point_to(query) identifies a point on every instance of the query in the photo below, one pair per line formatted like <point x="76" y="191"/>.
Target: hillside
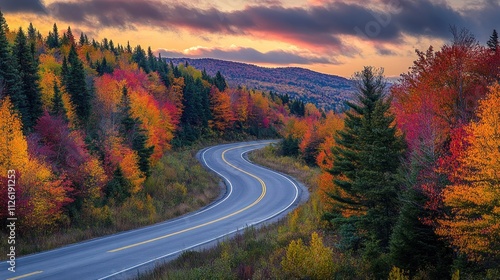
<point x="326" y="91"/>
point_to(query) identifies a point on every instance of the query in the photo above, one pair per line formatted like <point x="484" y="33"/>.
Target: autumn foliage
<point x="472" y="224"/>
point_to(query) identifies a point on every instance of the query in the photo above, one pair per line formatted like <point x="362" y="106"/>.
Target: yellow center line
<point x="25" y="275"/>
<point x="263" y="193"/>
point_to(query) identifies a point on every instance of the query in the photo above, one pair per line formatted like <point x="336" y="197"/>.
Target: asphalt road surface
<point x="254" y="195"/>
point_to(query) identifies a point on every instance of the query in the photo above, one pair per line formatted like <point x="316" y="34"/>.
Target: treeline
<point x="410" y="174"/>
<point x="85" y="123"/>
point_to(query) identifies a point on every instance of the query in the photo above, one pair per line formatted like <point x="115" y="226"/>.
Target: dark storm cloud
<point x="251" y="55"/>
<point x="22" y="6"/>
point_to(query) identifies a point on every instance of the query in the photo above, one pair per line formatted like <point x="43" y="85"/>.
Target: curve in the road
<point x="116" y="256"/>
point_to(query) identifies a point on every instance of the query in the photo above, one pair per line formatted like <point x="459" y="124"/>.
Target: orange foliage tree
<point x="473" y="225"/>
<point x="220" y="105"/>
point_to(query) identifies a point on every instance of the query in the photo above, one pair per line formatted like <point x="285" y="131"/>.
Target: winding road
<point x="254" y="195"/>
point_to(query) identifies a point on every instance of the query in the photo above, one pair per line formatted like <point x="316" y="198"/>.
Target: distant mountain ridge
<point x="326" y="91"/>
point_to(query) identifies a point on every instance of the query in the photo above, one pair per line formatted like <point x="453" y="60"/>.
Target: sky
<point x="329" y="36"/>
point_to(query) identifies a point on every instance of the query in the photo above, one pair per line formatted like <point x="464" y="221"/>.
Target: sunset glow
<point x="336" y="36"/>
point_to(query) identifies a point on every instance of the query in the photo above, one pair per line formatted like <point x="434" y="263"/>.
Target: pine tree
<point x="82" y="39"/>
<point x="57" y="102"/>
<point x="151" y="60"/>
<point x="414" y="245"/>
<point x="31" y="33"/>
<point x="366" y="162"/>
<point x="139" y="56"/>
<point x="53" y="38"/>
<point x="139" y="144"/>
<point x="131" y="131"/>
<point x="129" y="48"/>
<point x="127" y="121"/>
<point x="220" y="82"/>
<point x="118" y="188"/>
<point x="74" y="82"/>
<point x="493" y="41"/>
<point x="10" y="80"/>
<point x="65" y="71"/>
<point x="28" y="70"/>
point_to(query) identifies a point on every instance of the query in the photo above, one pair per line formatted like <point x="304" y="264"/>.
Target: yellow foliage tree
<point x="474" y="224"/>
<point x="13" y="145"/>
<point x="44" y="194"/>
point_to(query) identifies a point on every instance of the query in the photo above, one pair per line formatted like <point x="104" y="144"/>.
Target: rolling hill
<point x="326" y="91"/>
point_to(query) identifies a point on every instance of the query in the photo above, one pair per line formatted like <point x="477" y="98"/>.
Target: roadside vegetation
<point x="178" y="184"/>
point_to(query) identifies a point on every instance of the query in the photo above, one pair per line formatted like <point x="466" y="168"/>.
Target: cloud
<point x="324" y="28"/>
<point x="22" y="6"/>
<point x="381" y="50"/>
<point x="243" y="54"/>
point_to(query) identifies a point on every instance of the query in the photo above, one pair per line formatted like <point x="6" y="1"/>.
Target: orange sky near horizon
<point x="334" y="37"/>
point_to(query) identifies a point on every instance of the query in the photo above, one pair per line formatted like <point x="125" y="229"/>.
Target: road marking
<point x="263" y="193"/>
<point x="25" y="275"/>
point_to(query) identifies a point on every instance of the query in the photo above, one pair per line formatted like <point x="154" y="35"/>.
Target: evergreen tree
<point x="82" y="39"/>
<point x="112" y="47"/>
<point x="28" y="70"/>
<point x="53" y="38"/>
<point x="65" y="71"/>
<point x="103" y="67"/>
<point x="290" y="146"/>
<point x="74" y="81"/>
<point x="220" y="82"/>
<point x="10" y="80"/>
<point x="151" y="60"/>
<point x="133" y="133"/>
<point x="414" y="246"/>
<point x="127" y="121"/>
<point x="129" y="48"/>
<point x="69" y="34"/>
<point x="493" y="41"/>
<point x="31" y="33"/>
<point x="139" y="144"/>
<point x="366" y="162"/>
<point x="118" y="188"/>
<point x="105" y="43"/>
<point x="139" y="56"/>
<point x="57" y="103"/>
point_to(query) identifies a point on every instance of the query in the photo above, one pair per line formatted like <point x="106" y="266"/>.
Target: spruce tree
<point x="366" y="162"/>
<point x="151" y="60"/>
<point x="414" y="246"/>
<point x="82" y="39"/>
<point x="118" y="188"/>
<point x="57" y="102"/>
<point x="131" y="131"/>
<point x="53" y="40"/>
<point x="493" y="41"/>
<point x="28" y="70"/>
<point x="128" y="123"/>
<point x="220" y="82"/>
<point x="10" y="80"/>
<point x="75" y="84"/>
<point x="31" y="33"/>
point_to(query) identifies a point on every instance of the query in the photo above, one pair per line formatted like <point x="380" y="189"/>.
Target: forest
<point x="406" y="184"/>
<point x="99" y="134"/>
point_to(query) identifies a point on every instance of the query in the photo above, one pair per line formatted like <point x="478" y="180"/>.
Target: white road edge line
<point x="223" y="235"/>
